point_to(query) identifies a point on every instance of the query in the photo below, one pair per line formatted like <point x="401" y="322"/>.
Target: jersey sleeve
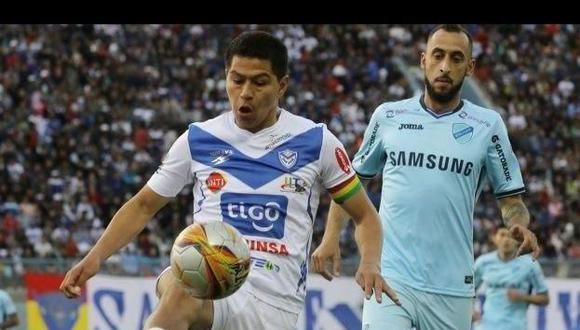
<point x="478" y="272"/>
<point x="370" y="158"/>
<point x="175" y="170"/>
<point x="503" y="169"/>
<point x="337" y="174"/>
<point x="538" y="280"/>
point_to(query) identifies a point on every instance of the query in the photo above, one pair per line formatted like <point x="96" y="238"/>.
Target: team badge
<point x="462" y="133"/>
<point x="288" y="158"/>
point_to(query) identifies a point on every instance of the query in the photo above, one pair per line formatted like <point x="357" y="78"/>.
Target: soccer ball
<point x="212" y="260"/>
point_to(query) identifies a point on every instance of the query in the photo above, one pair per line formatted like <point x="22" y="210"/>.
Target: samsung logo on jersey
<point x="411" y="126"/>
<point x="430" y="161"/>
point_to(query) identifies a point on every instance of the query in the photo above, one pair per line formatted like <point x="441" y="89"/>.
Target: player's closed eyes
<point x="259" y="83"/>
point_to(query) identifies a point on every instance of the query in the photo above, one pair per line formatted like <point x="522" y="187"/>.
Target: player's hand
<point x="514" y="295"/>
<point x="527" y="239"/>
<point x="369" y="277"/>
<point x="326" y="253"/>
<point x="476" y="316"/>
<point x="76" y="277"/>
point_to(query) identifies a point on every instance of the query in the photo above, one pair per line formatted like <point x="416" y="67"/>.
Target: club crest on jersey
<point x="288" y="158"/>
<point x="215" y="182"/>
<point x="221" y="156"/>
<point x="342" y="160"/>
<point x="462" y="133"/>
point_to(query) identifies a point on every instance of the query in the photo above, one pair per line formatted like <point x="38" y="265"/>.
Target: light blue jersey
<point x="7" y="306"/>
<point x="434" y="168"/>
<point x="521" y="273"/>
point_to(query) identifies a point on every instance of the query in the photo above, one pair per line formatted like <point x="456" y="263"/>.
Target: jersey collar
<point x="433" y="113"/>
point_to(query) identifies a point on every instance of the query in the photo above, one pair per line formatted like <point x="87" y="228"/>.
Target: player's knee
<point x="182" y="305"/>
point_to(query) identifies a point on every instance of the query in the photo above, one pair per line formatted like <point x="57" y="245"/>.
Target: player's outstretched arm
<point x="329" y="248"/>
<point x="517" y="218"/>
<point x="541" y="299"/>
<point x="369" y="239"/>
<point x="129" y="220"/>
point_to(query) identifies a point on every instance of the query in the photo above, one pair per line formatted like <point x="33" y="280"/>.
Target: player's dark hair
<point x="261" y="45"/>
<point x="453" y="28"/>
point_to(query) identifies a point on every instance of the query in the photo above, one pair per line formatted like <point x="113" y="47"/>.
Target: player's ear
<point x="470" y="67"/>
<point x="283" y="85"/>
<point x="423" y="60"/>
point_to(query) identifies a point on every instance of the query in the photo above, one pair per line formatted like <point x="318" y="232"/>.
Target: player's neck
<point x="505" y="256"/>
<point x="269" y="121"/>
<point x="439" y="107"/>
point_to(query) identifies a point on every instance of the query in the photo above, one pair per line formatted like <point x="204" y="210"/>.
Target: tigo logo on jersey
<point x="215" y="182"/>
<point x="293" y="184"/>
<point x="342" y="160"/>
<point x="288" y="158"/>
<point x="462" y="133"/>
<point x="254" y="214"/>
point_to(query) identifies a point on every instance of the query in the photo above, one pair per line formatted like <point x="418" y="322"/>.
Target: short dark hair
<point x="453" y="28"/>
<point x="262" y="45"/>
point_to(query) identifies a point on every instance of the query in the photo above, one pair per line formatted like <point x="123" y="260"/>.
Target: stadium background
<point x="87" y="112"/>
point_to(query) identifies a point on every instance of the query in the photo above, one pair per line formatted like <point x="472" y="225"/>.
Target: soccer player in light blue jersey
<point x="511" y="284"/>
<point x="435" y="152"/>
<point x="8" y="314"/>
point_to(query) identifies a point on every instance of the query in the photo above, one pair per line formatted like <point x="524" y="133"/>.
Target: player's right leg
<point x="177" y="309"/>
<point x="388" y="315"/>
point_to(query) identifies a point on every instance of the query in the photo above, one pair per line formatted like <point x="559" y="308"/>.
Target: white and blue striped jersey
<point x="266" y="184"/>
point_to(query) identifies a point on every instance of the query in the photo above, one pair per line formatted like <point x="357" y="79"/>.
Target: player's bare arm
<point x="517" y="218"/>
<point x="540" y="299"/>
<point x="368" y="236"/>
<point x="125" y="225"/>
<point x="329" y="248"/>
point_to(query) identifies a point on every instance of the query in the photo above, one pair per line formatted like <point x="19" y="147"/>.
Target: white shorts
<point x="244" y="311"/>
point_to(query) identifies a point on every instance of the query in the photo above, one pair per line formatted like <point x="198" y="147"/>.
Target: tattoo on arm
<point x="516" y="213"/>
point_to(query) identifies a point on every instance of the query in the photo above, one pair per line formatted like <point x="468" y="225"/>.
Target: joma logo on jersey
<point x="255" y="215"/>
<point x="411" y="126"/>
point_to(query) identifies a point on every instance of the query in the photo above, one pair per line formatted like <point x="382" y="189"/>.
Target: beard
<point x="443" y="97"/>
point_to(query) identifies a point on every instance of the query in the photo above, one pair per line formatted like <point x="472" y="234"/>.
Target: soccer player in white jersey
<point x="261" y="169"/>
<point x="435" y="152"/>
<point x="510" y="283"/>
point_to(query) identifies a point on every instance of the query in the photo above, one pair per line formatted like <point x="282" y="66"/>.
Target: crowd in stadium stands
<point x="87" y="113"/>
